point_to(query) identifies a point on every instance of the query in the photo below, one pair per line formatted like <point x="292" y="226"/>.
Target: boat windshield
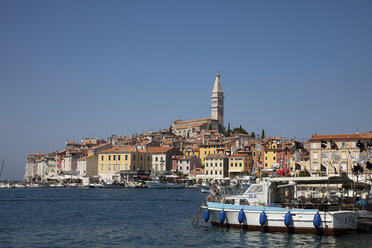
<point x="254" y="189"/>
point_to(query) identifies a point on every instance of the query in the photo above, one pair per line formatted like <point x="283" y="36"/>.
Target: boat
<point x="204" y="187"/>
<point x="113" y="185"/>
<point x="271" y="206"/>
<point x="160" y="185"/>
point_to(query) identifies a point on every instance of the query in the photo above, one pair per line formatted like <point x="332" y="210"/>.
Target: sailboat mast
<point x="2" y="166"/>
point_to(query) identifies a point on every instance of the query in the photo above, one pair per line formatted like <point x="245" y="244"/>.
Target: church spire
<point x="217" y="83"/>
<point x="217" y="99"/>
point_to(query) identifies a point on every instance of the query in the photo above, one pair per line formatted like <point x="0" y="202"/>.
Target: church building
<point x="215" y="122"/>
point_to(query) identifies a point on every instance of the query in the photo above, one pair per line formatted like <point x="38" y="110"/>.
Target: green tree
<point x="170" y="128"/>
<point x="228" y="132"/>
<point x="240" y="130"/>
<point x="263" y="134"/>
<point x="253" y="136"/>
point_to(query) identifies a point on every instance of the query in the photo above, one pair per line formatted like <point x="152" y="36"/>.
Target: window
<point x="118" y="157"/>
<point x="109" y="157"/>
<point x="343" y="155"/>
<point x="114" y="167"/>
<point x="156" y="159"/>
<point x="265" y="152"/>
<point x="206" y="164"/>
<point x="240" y="164"/>
<point x="180" y="167"/>
<point x="236" y="164"/>
<point x="315" y="145"/>
<point x="118" y="167"/>
<point x="148" y="158"/>
<point x="216" y="165"/>
<point x="232" y="164"/>
<point x="114" y="157"/>
<point x="220" y="172"/>
<point x="273" y="146"/>
<point x="274" y="152"/>
<point x="206" y="172"/>
<point x="102" y="158"/>
<point x="343" y="144"/>
<point x="274" y="158"/>
<point x="215" y="172"/>
<point x="353" y="144"/>
<point x="265" y="158"/>
<point x="254" y="154"/>
<point x="343" y="166"/>
<point x="102" y="167"/>
<point x="126" y="157"/>
<point x="134" y="157"/>
<point x="315" y="155"/>
<point x="109" y="167"/>
<point x="205" y="152"/>
<point x="187" y="168"/>
<point x="315" y="166"/>
<point x="265" y="164"/>
<point x="255" y="189"/>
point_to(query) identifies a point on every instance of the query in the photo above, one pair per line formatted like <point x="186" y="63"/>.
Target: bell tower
<point x="217" y="102"/>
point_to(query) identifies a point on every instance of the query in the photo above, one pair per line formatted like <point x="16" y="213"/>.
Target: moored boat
<point x="160" y="185"/>
<point x="271" y="206"/>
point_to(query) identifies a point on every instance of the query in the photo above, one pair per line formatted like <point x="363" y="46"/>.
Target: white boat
<point x="160" y="185"/>
<point x="204" y="187"/>
<point x="255" y="209"/>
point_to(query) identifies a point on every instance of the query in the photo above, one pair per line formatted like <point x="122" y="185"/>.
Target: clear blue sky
<point x="70" y="69"/>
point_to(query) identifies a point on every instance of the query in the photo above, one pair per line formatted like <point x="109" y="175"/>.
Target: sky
<point x="74" y="69"/>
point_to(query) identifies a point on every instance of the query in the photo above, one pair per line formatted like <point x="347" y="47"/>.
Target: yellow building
<point x="122" y="158"/>
<point x="269" y="155"/>
<point x="205" y="150"/>
<point x="240" y="164"/>
<point x="194" y="151"/>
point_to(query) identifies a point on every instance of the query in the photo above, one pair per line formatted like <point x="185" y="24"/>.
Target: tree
<point x="228" y="132"/>
<point x="170" y="128"/>
<point x="240" y="130"/>
<point x="210" y="127"/>
<point x="263" y="134"/>
<point x="253" y="136"/>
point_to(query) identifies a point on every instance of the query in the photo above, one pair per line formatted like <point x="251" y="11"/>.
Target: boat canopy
<point x="313" y="180"/>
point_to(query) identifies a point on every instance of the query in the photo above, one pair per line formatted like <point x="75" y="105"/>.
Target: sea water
<point x="83" y="217"/>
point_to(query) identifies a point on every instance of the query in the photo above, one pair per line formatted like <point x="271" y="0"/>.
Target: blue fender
<point x="288" y="219"/>
<point x="206" y="215"/>
<point x="263" y="218"/>
<point x="317" y="220"/>
<point x="222" y="216"/>
<point x="241" y="216"/>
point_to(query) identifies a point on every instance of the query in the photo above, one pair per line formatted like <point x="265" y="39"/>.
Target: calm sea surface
<point x="130" y="218"/>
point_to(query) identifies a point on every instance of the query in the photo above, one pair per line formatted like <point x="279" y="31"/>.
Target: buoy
<point x="222" y="216"/>
<point x="206" y="215"/>
<point x="288" y="219"/>
<point x="241" y="216"/>
<point x="263" y="218"/>
<point x="317" y="220"/>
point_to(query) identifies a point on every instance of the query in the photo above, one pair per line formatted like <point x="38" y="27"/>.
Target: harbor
<point x="86" y="217"/>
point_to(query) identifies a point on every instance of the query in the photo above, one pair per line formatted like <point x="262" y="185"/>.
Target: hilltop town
<point x="203" y="149"/>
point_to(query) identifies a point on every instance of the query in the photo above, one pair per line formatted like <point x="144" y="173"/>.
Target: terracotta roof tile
<point x="341" y="136"/>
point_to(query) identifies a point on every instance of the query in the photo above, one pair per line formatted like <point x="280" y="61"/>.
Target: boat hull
<point x="157" y="185"/>
<point x="332" y="223"/>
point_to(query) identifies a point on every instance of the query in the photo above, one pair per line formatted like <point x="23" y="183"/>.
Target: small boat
<point x="160" y="185"/>
<point x="270" y="206"/>
<point x="204" y="187"/>
<point x="113" y="186"/>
